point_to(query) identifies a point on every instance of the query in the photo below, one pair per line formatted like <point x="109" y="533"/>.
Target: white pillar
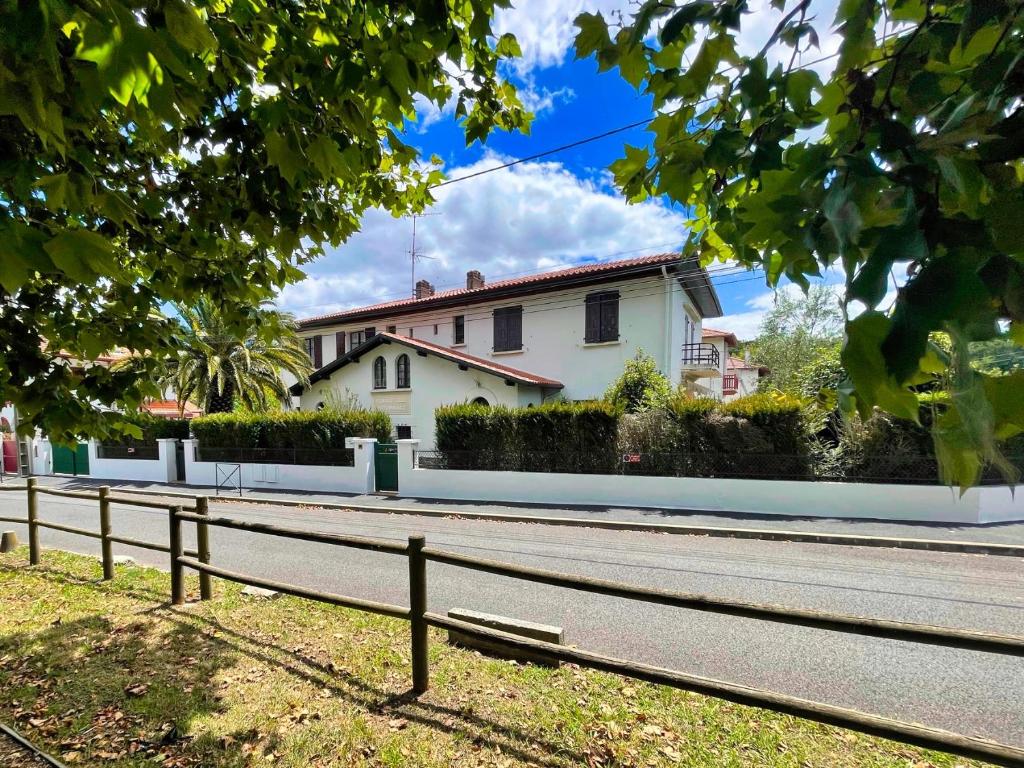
<point x="406" y="463"/>
<point x="167" y="455"/>
<point x="94" y="453"/>
<point x="365" y="453"/>
<point x="193" y="474"/>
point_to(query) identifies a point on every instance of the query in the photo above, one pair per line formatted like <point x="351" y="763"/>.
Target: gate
<point x="70" y="461"/>
<point x="179" y="461"/>
<point x="385" y="465"/>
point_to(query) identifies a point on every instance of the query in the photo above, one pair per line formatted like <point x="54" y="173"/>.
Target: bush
<point x="309" y="430"/>
<point x="641" y="387"/>
<point x="153" y="429"/>
<point x="556" y="437"/>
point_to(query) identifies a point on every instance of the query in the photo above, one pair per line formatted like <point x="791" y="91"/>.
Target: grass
<point x="107" y="674"/>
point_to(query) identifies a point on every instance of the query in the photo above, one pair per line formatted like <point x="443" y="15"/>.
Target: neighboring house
<point x="522" y="341"/>
<point x="736" y="377"/>
<point x="171" y="409"/>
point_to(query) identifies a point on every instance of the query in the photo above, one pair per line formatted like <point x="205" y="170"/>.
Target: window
<point x="459" y="333"/>
<point x="392" y="328"/>
<point x="339" y="343"/>
<point x="370" y="332"/>
<point x="480" y="401"/>
<point x="508" y="329"/>
<point x="380" y="373"/>
<point x="314" y="346"/>
<point x="404" y="432"/>
<point x="602" y="322"/>
<point x="356" y="338"/>
<point x="402" y="380"/>
<point x="435" y="329"/>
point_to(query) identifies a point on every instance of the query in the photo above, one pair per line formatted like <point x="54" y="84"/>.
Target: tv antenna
<point x="415" y="255"/>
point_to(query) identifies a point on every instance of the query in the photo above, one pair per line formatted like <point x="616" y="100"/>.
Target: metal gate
<point x="179" y="461"/>
<point x="71" y="461"/>
<point x="385" y="464"/>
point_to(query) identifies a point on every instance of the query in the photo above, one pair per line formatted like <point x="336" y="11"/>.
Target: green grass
<point x="107" y="674"/>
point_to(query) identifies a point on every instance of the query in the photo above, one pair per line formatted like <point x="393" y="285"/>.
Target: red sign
<point x="631" y="458"/>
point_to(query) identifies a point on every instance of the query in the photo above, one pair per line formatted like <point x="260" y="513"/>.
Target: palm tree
<point x="217" y="363"/>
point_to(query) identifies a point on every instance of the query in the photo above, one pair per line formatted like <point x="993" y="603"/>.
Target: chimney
<point x="424" y="289"/>
<point x="474" y="279"/>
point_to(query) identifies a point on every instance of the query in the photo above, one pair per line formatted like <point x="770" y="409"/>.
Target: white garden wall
<point x="764" y="497"/>
<point x="292" y="477"/>
<point x="162" y="469"/>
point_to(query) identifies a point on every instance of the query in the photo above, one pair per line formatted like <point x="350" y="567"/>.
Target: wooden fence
<point x="418" y="555"/>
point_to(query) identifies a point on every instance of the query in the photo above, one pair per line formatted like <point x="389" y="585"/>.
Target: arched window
<point x="380" y="374"/>
<point x="480" y="401"/>
<point x="402" y="380"/>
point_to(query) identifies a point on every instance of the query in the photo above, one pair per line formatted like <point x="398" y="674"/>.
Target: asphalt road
<point x="964" y="691"/>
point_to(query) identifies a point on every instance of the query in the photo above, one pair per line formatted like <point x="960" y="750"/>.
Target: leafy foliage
<point x="217" y="365"/>
<point x="641" y="387"/>
<point x="189" y="149"/>
<point x="307" y="430"/>
<point x="908" y="156"/>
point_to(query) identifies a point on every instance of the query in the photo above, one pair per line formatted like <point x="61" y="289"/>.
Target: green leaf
<point x="81" y="254"/>
<point x="683" y="18"/>
<point x="187" y="28"/>
<point x="281" y="154"/>
<point x="508" y="46"/>
<point x="593" y="36"/>
<point x="864" y="362"/>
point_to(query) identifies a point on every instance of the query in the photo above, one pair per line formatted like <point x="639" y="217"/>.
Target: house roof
<point x="714" y="333"/>
<point x="739" y="364"/>
<point x="425" y="348"/>
<point x="170" y="408"/>
<point x="695" y="281"/>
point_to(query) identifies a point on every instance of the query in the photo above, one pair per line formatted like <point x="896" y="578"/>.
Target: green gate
<point x="385" y="464"/>
<point x="71" y="461"/>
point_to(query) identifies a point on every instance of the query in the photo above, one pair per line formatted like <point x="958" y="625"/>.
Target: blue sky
<point x="560" y="210"/>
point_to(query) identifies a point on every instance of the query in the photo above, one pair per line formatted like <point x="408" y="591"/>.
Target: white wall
<point x="553" y="333"/>
<point x="162" y="469"/>
<point x="357" y="479"/>
<point x="766" y="497"/>
<point x="434" y="382"/>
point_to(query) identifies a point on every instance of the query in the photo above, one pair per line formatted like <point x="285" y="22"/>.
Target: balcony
<point x="701" y="361"/>
<point x="730" y="384"/>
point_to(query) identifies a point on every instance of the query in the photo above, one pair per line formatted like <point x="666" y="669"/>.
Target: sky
<point x="539" y="215"/>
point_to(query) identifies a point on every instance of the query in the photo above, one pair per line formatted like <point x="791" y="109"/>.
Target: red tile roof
<point x="738" y="363"/>
<point x="524" y="377"/>
<point x="170" y="408"/>
<point x="714" y="333"/>
<point x="606" y="267"/>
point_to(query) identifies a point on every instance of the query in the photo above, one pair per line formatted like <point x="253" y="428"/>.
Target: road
<point x="970" y="692"/>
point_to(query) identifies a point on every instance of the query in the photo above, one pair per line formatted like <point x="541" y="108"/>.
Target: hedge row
<point x="289" y="429"/>
<point x="153" y="428"/>
<point x="557" y="437"/>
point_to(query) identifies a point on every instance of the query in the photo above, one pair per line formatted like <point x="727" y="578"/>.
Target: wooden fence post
<point x="177" y="552"/>
<point x="105" y="543"/>
<point x="33" y="515"/>
<point x="203" y="547"/>
<point x="417" y="609"/>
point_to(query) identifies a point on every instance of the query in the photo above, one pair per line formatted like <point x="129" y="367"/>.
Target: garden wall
<point x="296" y="477"/>
<point x="758" y="497"/>
<point x="162" y="469"/>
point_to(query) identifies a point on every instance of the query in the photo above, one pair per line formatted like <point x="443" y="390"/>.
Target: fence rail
<point x="141" y="451"/>
<point x="324" y="457"/>
<point x="418" y="555"/>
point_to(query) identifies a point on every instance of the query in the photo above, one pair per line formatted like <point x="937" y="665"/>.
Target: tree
<point x="176" y="150"/>
<point x="908" y="156"/>
<point x="641" y="387"/>
<point x="216" y="366"/>
<point x="796" y="331"/>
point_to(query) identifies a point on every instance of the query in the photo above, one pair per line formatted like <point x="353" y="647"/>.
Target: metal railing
<point x="730" y="383"/>
<point x="702" y="355"/>
<point x="324" y="457"/>
<point x="143" y="451"/>
<point x="418" y="555"/>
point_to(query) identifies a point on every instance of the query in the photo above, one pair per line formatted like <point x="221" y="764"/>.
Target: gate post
<point x="177" y="552"/>
<point x="33" y="527"/>
<point x="417" y="609"/>
<point x="105" y="543"/>
<point x="203" y="546"/>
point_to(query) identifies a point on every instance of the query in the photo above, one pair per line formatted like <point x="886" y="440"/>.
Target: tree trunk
<point x="221" y="402"/>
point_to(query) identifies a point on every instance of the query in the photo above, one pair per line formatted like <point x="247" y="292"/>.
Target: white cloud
<point x="529" y="218"/>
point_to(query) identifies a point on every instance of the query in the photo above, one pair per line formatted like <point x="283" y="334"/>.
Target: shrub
<point x="641" y="387"/>
<point x="290" y="429"/>
<point x="778" y="417"/>
<point x="546" y="438"/>
<point x="153" y="429"/>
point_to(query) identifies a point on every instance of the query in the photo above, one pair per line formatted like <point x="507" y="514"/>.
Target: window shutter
<point x="370" y="332"/>
<point x="516" y="330"/>
<point x="592" y="327"/>
<point x="500" y="334"/>
<point x="460" y="329"/>
<point x="318" y="352"/>
<point x="610" y="316"/>
<point x="339" y="343"/>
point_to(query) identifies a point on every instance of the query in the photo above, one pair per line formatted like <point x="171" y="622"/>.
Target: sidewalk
<point x="996" y="533"/>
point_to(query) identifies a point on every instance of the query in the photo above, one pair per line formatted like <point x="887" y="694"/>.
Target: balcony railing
<point x="701" y="356"/>
<point x="730" y="383"/>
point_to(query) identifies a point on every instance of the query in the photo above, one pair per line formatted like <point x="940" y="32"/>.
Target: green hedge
<point x="556" y="437"/>
<point x="289" y="429"/>
<point x="153" y="428"/>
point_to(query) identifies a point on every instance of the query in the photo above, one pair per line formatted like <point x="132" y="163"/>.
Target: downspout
<point x="667" y="370"/>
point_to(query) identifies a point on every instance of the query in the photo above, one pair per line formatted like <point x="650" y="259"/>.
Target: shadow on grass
<point x="93" y="668"/>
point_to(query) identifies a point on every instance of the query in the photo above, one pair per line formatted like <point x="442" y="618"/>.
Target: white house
<point x="736" y="376"/>
<point x="521" y="341"/>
